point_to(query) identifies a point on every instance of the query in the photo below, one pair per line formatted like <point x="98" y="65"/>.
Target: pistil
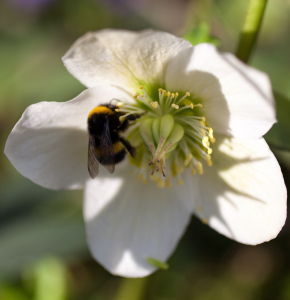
<point x="173" y="130"/>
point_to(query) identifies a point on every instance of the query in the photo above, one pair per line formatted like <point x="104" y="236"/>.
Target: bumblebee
<point x="106" y="146"/>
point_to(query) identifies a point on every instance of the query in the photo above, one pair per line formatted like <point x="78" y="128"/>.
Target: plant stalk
<point x="250" y="29"/>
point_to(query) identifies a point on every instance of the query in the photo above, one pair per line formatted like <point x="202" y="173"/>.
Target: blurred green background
<point x="43" y="252"/>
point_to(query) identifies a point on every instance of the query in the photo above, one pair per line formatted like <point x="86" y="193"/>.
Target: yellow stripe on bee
<point x="101" y="110"/>
<point x="118" y="147"/>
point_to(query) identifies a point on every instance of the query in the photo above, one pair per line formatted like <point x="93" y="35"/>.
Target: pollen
<point x="136" y="95"/>
<point x="141" y="87"/>
<point x="117" y="110"/>
<point x="120" y="104"/>
<point x="187" y="94"/>
<point x="199" y="167"/>
<point x="209" y="151"/>
<point x="208" y="160"/>
<point x="160" y="183"/>
<point x="154" y="104"/>
<point x="175" y="106"/>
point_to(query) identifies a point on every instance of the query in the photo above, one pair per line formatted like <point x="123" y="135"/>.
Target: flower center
<point x="172" y="135"/>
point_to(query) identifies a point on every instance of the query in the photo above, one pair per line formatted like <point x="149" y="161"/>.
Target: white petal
<point x="122" y="58"/>
<point x="237" y="99"/>
<point x="128" y="222"/>
<point x="243" y="194"/>
<point x="49" y="144"/>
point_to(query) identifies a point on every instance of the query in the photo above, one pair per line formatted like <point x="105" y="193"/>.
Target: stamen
<point x="173" y="130"/>
<point x="175" y="106"/>
<point x="199" y="167"/>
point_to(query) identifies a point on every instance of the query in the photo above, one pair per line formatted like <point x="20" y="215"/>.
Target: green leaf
<point x="278" y="136"/>
<point x="201" y="34"/>
<point x="158" y="264"/>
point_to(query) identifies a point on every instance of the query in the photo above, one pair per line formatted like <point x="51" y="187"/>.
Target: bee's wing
<point x="93" y="158"/>
<point x="107" y="157"/>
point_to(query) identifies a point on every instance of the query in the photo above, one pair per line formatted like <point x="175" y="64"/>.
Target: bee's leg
<point x="124" y="125"/>
<point x="128" y="146"/>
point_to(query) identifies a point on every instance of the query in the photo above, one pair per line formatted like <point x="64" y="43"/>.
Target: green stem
<point x="132" y="288"/>
<point x="250" y="29"/>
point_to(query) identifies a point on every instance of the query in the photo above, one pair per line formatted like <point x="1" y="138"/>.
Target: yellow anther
<point x="160" y="90"/>
<point x="144" y="181"/>
<point x="142" y="95"/>
<point x="187" y="94"/>
<point x="202" y="131"/>
<point x="210" y="131"/>
<point x="203" y="119"/>
<point x="199" y="167"/>
<point x="193" y="171"/>
<point x="198" y="209"/>
<point x="212" y="139"/>
<point x="191" y="105"/>
<point x="204" y="221"/>
<point x="168" y="93"/>
<point x="176" y="94"/>
<point x="208" y="160"/>
<point x="164" y="91"/>
<point x="141" y="87"/>
<point x="154" y="104"/>
<point x="136" y="95"/>
<point x="205" y="141"/>
<point x="168" y="184"/>
<point x="179" y="169"/>
<point x="199" y="105"/>
<point x="174" y="106"/>
<point x="187" y="159"/>
<point x="160" y="183"/>
<point x="120" y="104"/>
<point x="180" y="182"/>
<point x="209" y="151"/>
<point x="122" y="118"/>
<point x="201" y="123"/>
<point x="117" y="110"/>
<point x="173" y="95"/>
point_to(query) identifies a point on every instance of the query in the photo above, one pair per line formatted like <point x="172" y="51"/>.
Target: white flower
<point x="241" y="192"/>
